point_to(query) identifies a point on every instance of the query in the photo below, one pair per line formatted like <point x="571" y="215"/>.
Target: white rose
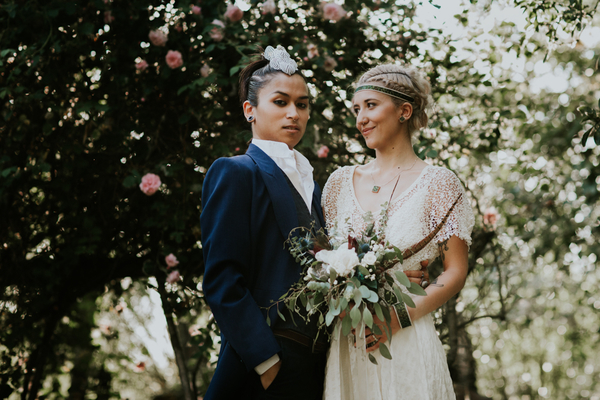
<point x="369" y="258"/>
<point x="342" y="260"/>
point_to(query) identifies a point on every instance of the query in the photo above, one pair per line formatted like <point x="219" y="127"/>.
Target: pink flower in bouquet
<point x="329" y="64"/>
<point x="491" y="217"/>
<point x="205" y="70"/>
<point x="233" y="13"/>
<point x="150" y="184"/>
<point x="323" y="152"/>
<point x="216" y="33"/>
<point x="269" y="7"/>
<point x="108" y="18"/>
<point x="333" y="12"/>
<point x="157" y="38"/>
<point x="171" y="260"/>
<point x="173" y="277"/>
<point x="141" y="66"/>
<point x="174" y="59"/>
<point x="196" y="10"/>
<point x="312" y="51"/>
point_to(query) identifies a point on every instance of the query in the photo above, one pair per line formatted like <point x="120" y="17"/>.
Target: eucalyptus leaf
<point x="408" y="300"/>
<point x="385" y="352"/>
<point x="386" y="314"/>
<point x="363" y="270"/>
<point x="372" y="358"/>
<point x="357" y="298"/>
<point x="368" y="317"/>
<point x="329" y="317"/>
<point x="373" y="297"/>
<point x="378" y="311"/>
<point x="280" y="314"/>
<point x="402" y="278"/>
<point x="355" y="315"/>
<point x="377" y="330"/>
<point x="365" y="292"/>
<point x="346" y="326"/>
<point x="417" y="289"/>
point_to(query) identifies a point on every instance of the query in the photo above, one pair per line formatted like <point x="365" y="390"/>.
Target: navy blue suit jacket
<point x="247" y="214"/>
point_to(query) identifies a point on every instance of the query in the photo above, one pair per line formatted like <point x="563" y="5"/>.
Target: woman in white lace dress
<point x="390" y="103"/>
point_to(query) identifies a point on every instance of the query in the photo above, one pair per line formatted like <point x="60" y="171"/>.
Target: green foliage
<point x="80" y="126"/>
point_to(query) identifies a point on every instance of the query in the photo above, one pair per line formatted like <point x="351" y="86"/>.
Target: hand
<point x="421" y="275"/>
<point x="374" y="341"/>
<point x="269" y="376"/>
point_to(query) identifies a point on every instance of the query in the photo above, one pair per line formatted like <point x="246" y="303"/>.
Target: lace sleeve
<point x="445" y="189"/>
<point x="330" y="196"/>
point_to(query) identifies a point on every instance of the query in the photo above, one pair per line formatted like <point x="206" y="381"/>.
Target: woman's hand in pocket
<point x="269" y="376"/>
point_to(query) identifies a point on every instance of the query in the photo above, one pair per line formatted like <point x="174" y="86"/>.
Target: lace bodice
<point x="412" y="215"/>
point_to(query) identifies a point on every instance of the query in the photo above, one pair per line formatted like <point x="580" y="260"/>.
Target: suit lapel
<point x="279" y="191"/>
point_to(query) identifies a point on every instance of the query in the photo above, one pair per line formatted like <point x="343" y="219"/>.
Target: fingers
<point x="414" y="276"/>
<point x="424" y="264"/>
<point x="372" y="341"/>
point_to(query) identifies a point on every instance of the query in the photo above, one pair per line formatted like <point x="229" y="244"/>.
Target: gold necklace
<point x="376" y="188"/>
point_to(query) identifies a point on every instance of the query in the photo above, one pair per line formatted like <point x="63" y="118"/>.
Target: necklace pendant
<point x="375" y="189"/>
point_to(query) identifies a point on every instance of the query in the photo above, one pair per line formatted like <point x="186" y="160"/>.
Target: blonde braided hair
<point x="406" y="80"/>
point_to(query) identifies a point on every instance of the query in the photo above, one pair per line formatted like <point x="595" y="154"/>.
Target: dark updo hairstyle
<point x="255" y="76"/>
<point x="408" y="81"/>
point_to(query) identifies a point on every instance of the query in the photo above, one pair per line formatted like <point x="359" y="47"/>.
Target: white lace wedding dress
<point x="418" y="369"/>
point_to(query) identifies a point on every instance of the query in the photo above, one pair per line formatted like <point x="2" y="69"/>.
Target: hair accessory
<point x="280" y="60"/>
<point x="384" y="90"/>
<point x="250" y="118"/>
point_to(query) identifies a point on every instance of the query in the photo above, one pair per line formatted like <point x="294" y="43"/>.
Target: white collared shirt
<point x="293" y="164"/>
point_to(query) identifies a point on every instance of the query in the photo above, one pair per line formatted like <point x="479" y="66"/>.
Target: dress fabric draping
<point x="418" y="369"/>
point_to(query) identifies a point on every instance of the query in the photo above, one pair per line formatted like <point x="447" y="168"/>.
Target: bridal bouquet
<point x="349" y="275"/>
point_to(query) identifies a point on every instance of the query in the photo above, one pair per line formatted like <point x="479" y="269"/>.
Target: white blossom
<point x="342" y="260"/>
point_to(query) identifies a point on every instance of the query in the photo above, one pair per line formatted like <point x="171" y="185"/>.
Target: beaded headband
<point x="389" y="92"/>
<point x="280" y="60"/>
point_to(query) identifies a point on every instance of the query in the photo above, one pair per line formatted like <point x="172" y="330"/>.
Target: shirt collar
<point x="281" y="150"/>
<point x="274" y="149"/>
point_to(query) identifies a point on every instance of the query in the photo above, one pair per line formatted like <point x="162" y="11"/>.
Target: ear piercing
<point x="402" y="119"/>
<point x="251" y="118"/>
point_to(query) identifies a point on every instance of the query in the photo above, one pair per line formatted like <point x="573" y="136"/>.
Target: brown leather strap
<point x="316" y="347"/>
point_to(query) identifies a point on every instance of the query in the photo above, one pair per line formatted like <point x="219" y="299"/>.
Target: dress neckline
<point x="394" y="200"/>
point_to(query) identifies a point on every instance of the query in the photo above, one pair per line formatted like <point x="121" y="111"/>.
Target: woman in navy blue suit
<point x="250" y="205"/>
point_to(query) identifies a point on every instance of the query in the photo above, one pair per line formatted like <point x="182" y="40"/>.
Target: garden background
<point x="95" y="94"/>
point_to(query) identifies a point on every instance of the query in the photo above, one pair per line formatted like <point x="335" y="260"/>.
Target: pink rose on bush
<point x="323" y="152"/>
<point x="269" y="7"/>
<point x="205" y="70"/>
<point x="141" y="66"/>
<point x="173" y="277"/>
<point x="312" y="51"/>
<point x="157" y="38"/>
<point x="233" y="13"/>
<point x="329" y="64"/>
<point x="216" y="33"/>
<point x="333" y="12"/>
<point x="491" y="217"/>
<point x="174" y="59"/>
<point x="171" y="260"/>
<point x="150" y="184"/>
<point x="196" y="10"/>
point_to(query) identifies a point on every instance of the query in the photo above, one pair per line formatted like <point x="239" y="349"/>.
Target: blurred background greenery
<point x="90" y="103"/>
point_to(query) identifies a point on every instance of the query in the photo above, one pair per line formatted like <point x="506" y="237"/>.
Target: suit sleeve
<point x="227" y="249"/>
